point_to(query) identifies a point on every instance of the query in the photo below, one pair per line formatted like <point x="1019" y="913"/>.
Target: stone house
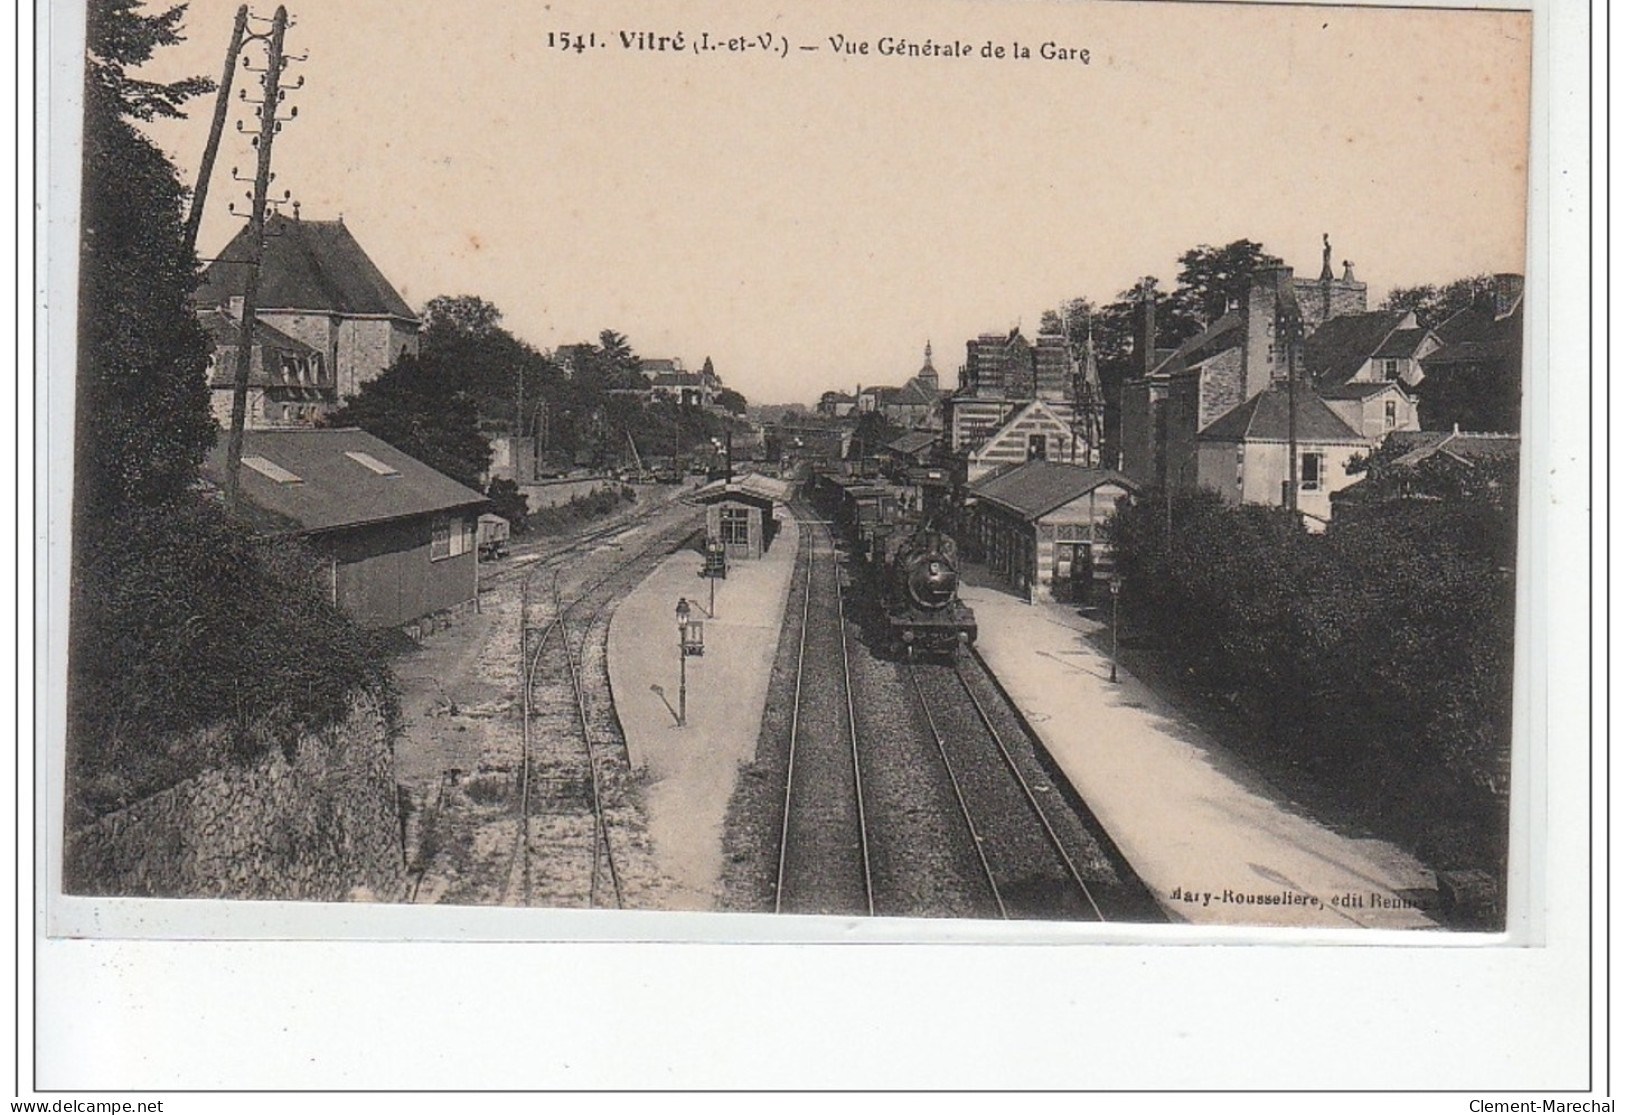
<point x="289" y="382"/>
<point x="1246" y="455"/>
<point x="318" y="286"/>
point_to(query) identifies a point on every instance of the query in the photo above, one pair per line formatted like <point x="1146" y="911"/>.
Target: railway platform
<point x="691" y="770"/>
<point x="1213" y="841"/>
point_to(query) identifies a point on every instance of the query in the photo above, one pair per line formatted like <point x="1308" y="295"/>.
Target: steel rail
<point x="527" y="683"/>
<point x="959" y="793"/>
<point x="857" y="766"/>
<point x="795" y="722"/>
<point x="1026" y="789"/>
<point x="600" y="822"/>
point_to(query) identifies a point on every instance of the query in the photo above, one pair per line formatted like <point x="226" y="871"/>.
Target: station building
<point x="1039" y="526"/>
<point x="739" y="514"/>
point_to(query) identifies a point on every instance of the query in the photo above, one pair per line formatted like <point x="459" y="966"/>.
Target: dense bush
<point x="196" y="645"/>
<point x="1377" y="656"/>
<point x="560" y="517"/>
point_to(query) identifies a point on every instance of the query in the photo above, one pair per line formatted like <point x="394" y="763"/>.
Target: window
<point x="449" y="538"/>
<point x="1390" y="414"/>
<point x="1312" y="472"/>
<point x="1037" y="447"/>
<point x="1390" y="369"/>
<point x="369" y="461"/>
<point x="735" y="526"/>
<point x="272" y="471"/>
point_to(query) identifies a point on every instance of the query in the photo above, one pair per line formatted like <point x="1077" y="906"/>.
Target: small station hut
<point x="739" y="514"/>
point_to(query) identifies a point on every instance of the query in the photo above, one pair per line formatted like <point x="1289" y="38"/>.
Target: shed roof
<point x="752" y="488"/>
<point x="308" y="265"/>
<point x="1264" y="417"/>
<point x="1035" y="488"/>
<point x="333" y="486"/>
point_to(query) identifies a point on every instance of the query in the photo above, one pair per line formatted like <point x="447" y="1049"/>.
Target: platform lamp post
<point x="1117" y="590"/>
<point x="682" y="661"/>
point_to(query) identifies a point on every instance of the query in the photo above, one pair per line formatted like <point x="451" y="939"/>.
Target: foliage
<point x="419" y="406"/>
<point x="118" y="39"/>
<point x="506" y="378"/>
<point x="197" y="626"/>
<point x="509" y="502"/>
<point x="561" y="517"/>
<point x="143" y="421"/>
<point x="1209" y="278"/>
<point x="1377" y="656"/>
<point x="1436" y="304"/>
<point x="731" y="401"/>
<point x="180" y="625"/>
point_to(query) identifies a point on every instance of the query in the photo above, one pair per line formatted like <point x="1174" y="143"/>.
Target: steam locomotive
<point x="907" y="568"/>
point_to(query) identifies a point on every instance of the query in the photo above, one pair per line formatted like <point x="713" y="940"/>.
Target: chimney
<point x="1508" y="289"/>
<point x="1147" y="340"/>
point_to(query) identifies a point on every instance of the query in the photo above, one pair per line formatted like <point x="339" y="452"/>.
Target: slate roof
<point x="752" y="488"/>
<point x="1340" y="347"/>
<point x="1357" y="390"/>
<point x="1035" y="488"/>
<point x="226" y="333"/>
<point x="914" y="441"/>
<point x="1481" y="340"/>
<point x="334" y="491"/>
<point x="1464" y="447"/>
<point x="1401" y="344"/>
<point x="913" y="393"/>
<point x="676" y="379"/>
<point x="308" y="265"/>
<point x="1264" y="418"/>
<point x="1225" y="333"/>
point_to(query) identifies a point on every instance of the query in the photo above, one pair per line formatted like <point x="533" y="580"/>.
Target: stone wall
<point x="324" y="827"/>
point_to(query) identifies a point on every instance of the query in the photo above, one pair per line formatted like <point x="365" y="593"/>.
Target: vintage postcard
<point x="923" y="473"/>
<point x="1056" y="464"/>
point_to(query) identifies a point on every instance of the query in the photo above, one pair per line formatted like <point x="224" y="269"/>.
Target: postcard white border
<point x="1471" y="1012"/>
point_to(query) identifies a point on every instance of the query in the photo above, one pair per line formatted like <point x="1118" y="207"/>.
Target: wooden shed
<point x="1039" y="525"/>
<point x="739" y="514"/>
<point x="398" y="538"/>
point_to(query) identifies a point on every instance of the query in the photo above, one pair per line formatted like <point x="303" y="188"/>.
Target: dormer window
<point x="1390" y="369"/>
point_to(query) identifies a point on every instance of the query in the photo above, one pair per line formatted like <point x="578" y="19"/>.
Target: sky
<point x="810" y="218"/>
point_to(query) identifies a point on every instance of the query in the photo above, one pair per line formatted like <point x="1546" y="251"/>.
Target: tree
<point x="181" y="620"/>
<point x="509" y="502"/>
<point x="143" y="421"/>
<point x="507" y="378"/>
<point x="419" y="407"/>
<point x="1435" y="304"/>
<point x="1209" y="278"/>
<point x="731" y="401"/>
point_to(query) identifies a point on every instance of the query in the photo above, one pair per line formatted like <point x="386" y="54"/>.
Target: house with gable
<point x="289" y="382"/>
<point x="1246" y="456"/>
<point x="318" y="286"/>
<point x="1032" y="431"/>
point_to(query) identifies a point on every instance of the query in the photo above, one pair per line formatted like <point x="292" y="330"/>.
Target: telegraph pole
<point x="222" y="104"/>
<point x="256" y="239"/>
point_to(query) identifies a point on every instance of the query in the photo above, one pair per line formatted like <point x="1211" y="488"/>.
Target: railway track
<point x="824" y="862"/>
<point x="999" y="801"/>
<point x="573" y="764"/>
